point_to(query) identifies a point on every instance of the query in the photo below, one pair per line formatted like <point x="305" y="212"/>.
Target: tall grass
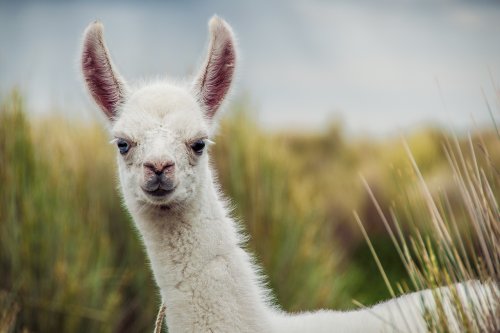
<point x="454" y="237"/>
<point x="70" y="259"/>
<point x="288" y="231"/>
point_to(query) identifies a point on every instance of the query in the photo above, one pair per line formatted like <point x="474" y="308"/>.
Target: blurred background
<point x="326" y="91"/>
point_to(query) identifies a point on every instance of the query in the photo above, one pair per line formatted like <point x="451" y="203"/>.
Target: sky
<point x="379" y="66"/>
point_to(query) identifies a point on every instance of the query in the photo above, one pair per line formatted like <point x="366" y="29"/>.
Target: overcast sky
<point x="380" y="66"/>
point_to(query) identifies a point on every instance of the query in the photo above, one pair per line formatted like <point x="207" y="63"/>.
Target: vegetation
<point x="70" y="259"/>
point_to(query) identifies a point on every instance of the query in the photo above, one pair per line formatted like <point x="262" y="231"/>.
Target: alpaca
<point x="207" y="281"/>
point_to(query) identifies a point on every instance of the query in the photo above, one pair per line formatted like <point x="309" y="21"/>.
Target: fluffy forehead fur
<point x="161" y="107"/>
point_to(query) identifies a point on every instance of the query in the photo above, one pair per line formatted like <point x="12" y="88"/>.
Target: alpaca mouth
<point x="159" y="192"/>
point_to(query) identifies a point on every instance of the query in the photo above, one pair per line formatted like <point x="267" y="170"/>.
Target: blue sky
<point x="380" y="66"/>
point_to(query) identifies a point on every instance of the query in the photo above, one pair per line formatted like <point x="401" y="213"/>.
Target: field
<point x="71" y="261"/>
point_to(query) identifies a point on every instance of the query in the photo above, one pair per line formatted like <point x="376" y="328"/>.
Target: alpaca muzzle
<point x="159" y="178"/>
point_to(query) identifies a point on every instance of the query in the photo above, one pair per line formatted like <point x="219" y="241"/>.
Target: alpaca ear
<point x="214" y="80"/>
<point x="103" y="82"/>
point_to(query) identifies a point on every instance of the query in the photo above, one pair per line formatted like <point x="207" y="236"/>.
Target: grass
<point x="454" y="238"/>
<point x="71" y="260"/>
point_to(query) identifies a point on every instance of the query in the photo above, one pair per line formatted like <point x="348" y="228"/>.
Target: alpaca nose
<point x="159" y="167"/>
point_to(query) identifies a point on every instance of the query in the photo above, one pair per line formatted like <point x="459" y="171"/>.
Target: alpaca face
<point x="161" y="130"/>
<point x="161" y="138"/>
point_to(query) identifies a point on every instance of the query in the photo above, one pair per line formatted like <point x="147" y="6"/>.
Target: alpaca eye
<point x="123" y="146"/>
<point x="198" y="146"/>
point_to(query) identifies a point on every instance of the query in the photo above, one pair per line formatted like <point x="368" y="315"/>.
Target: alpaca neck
<point x="206" y="280"/>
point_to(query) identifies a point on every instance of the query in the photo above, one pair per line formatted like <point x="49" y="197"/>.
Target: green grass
<point x="70" y="259"/>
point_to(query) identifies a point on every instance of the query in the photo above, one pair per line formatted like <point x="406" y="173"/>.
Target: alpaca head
<point x="161" y="130"/>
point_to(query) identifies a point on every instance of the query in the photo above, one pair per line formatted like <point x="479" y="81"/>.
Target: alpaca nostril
<point x="169" y="166"/>
<point x="159" y="167"/>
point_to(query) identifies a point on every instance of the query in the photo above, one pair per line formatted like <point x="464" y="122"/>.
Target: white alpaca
<point x="207" y="281"/>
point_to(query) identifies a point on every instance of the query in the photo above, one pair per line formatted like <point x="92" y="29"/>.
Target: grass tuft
<point x="460" y="242"/>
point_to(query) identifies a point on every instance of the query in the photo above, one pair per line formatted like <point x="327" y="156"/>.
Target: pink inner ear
<point x="218" y="75"/>
<point x="102" y="82"/>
